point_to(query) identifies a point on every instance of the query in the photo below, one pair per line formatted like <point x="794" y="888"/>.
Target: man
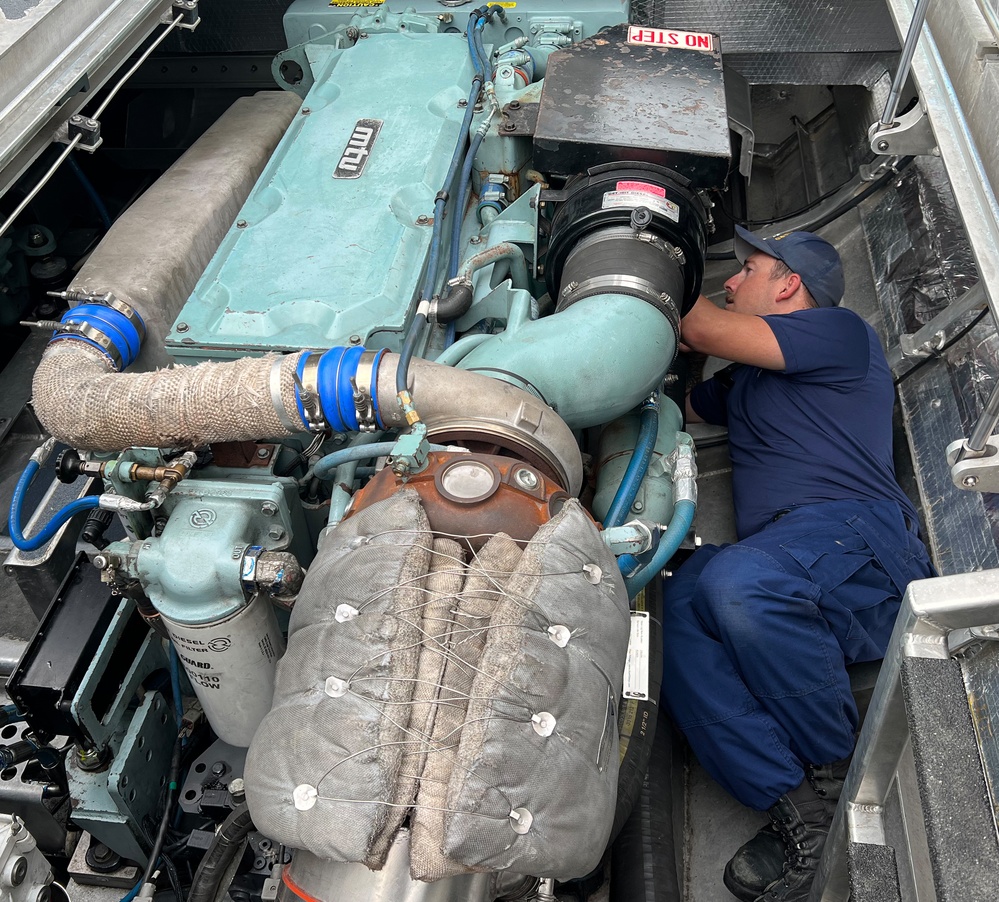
<point x="758" y="634"/>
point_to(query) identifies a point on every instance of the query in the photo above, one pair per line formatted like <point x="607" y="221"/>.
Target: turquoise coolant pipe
<point x="592" y="363"/>
<point x="616" y="444"/>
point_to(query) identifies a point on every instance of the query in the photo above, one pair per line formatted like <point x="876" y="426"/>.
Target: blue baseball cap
<point x="805" y="253"/>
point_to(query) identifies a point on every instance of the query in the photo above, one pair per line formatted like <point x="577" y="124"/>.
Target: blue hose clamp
<point x="108" y="324"/>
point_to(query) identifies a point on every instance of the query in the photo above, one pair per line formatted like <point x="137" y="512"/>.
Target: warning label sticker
<point x="636" y="665"/>
<point x="632" y="199"/>
<point x="641" y="186"/>
<point x="661" y="37"/>
<point x="356" y="2"/>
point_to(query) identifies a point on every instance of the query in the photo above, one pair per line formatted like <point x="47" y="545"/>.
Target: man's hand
<point x="739" y="337"/>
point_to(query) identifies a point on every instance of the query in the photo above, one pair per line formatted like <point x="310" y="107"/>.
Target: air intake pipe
<point x="625" y="262"/>
<point x="83" y="399"/>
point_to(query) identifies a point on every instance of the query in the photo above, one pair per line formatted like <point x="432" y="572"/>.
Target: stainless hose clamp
<point x="308" y="392"/>
<point x="85" y="330"/>
<point x="127" y="310"/>
<point x="364" y="390"/>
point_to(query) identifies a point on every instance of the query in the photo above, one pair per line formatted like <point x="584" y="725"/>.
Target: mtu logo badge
<point x="355" y="154"/>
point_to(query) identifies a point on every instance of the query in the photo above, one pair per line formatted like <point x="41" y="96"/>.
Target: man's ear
<point x="790" y="287"/>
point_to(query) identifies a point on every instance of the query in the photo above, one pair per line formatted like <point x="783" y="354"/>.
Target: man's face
<point x="751" y="290"/>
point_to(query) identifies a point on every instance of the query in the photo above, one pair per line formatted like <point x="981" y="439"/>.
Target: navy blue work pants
<point x="758" y="634"/>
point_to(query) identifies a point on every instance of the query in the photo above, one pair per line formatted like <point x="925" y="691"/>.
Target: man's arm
<point x="740" y="337"/>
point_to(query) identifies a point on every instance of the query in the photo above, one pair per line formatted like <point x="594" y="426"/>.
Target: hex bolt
<point x="513" y="105"/>
<point x="969" y="482"/>
<point x="638" y="507"/>
<point x="276" y="533"/>
<point x="422" y="219"/>
<point x="218" y="768"/>
<point x="306" y="110"/>
<point x="268" y="508"/>
<point x="883" y="146"/>
<point x="526" y="479"/>
<point x="263" y="453"/>
<point x="182" y="327"/>
<point x="462" y="104"/>
<point x="475" y="239"/>
<point x="237" y="789"/>
<point x="509" y="126"/>
<point x="355" y="339"/>
<point x="241" y="223"/>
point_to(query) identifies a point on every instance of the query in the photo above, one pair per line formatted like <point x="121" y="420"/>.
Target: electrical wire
<point x="823" y="220"/>
<point x="938" y="353"/>
<point x="172" y="786"/>
<point x="95" y="115"/>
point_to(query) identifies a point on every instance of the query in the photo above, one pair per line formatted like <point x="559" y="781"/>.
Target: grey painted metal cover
<point x="633" y="93"/>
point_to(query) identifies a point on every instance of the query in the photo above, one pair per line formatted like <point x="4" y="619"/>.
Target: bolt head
<point x="475" y="239"/>
<point x="268" y="508"/>
<point x="638" y="507"/>
<point x="182" y="327"/>
<point x="240" y="223"/>
<point x="276" y="533"/>
<point x="969" y="482"/>
<point x="355" y="339"/>
<point x="883" y="146"/>
<point x="526" y="479"/>
<point x="423" y="219"/>
<point x="263" y="453"/>
<point x="306" y="110"/>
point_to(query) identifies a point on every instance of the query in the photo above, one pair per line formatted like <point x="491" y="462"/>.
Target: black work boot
<point x="756" y="865"/>
<point x="802" y="818"/>
<point x="760" y="861"/>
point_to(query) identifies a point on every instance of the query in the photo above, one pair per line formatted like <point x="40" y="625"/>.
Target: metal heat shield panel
<point x="631" y="94"/>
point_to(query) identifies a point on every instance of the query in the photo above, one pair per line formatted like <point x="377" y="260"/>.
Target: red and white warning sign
<point x="632" y="195"/>
<point x="662" y="37"/>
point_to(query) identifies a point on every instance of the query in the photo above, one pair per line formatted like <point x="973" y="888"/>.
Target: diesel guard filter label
<point x="355" y="155"/>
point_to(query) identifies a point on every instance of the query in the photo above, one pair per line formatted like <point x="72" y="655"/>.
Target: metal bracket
<point x="933" y="335"/>
<point x="961" y="640"/>
<point x="974" y="471"/>
<point x="409" y="454"/>
<point x="187" y="10"/>
<point x="87" y="130"/>
<point x="909" y="135"/>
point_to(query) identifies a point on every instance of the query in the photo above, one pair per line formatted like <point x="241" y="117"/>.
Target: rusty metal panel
<point x="607" y="100"/>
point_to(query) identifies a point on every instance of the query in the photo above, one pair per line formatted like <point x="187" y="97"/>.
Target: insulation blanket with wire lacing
<point x="475" y="695"/>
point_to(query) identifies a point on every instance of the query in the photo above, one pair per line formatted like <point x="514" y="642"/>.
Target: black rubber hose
<point x="637" y="719"/>
<point x="228" y="843"/>
<point x="408" y="350"/>
<point x="643" y="858"/>
<point x="455" y="303"/>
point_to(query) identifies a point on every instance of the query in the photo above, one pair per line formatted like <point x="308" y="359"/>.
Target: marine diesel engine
<point x="387" y="441"/>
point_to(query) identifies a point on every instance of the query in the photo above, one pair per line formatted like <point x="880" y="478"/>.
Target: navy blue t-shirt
<point x="818" y="430"/>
